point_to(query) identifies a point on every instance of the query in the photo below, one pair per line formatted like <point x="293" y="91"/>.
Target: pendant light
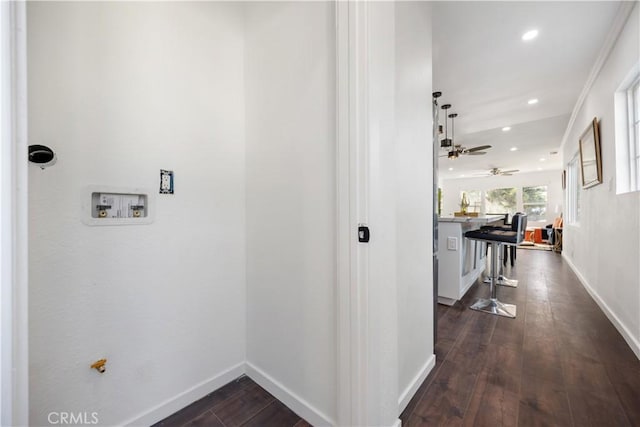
<point x="446" y="142"/>
<point x="453" y="154"/>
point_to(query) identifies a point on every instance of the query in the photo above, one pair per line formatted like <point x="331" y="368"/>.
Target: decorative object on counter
<point x="467" y="214"/>
<point x="590" y="158"/>
<point x="464" y="203"/>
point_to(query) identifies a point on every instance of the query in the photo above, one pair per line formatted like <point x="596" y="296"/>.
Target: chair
<point x="506" y="251"/>
<point x="502" y="279"/>
<point x="496" y="237"/>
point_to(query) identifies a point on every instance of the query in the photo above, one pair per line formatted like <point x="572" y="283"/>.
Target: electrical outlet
<point x="452" y="243"/>
<point x="166" y="182"/>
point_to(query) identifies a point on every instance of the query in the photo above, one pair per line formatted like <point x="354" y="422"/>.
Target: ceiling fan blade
<point x="511" y="171"/>
<point x="478" y="148"/>
<point x="506" y="174"/>
<point x="474" y="153"/>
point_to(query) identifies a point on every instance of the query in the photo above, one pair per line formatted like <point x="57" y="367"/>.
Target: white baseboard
<point x="624" y="331"/>
<point x="407" y="394"/>
<point x="174" y="404"/>
<point x="286" y="396"/>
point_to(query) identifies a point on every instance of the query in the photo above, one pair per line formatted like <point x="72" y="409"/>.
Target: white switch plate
<point x="452" y="243"/>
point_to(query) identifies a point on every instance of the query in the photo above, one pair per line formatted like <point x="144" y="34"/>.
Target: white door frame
<point x="351" y="174"/>
<point x="14" y="333"/>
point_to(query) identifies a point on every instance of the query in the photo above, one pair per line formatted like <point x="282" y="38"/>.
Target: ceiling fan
<point x="498" y="171"/>
<point x="457" y="150"/>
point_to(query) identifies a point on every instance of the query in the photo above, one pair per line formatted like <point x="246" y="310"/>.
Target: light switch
<point x="452" y="243"/>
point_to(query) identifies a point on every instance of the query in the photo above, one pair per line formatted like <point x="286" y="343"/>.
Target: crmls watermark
<point x="72" y="418"/>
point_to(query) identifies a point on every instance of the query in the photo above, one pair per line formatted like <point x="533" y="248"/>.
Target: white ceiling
<point x="485" y="70"/>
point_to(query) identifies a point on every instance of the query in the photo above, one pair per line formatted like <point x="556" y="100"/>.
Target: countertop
<point x="468" y="219"/>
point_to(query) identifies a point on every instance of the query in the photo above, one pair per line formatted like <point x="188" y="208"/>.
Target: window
<point x="534" y="202"/>
<point x="627" y="132"/>
<point x="501" y="200"/>
<point x="633" y="99"/>
<point x="475" y="200"/>
<point x="574" y="186"/>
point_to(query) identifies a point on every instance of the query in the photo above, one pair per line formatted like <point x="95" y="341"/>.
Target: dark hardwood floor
<point x="559" y="363"/>
<point x="242" y="402"/>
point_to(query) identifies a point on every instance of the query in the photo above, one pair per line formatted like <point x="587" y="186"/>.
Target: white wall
<point x="604" y="247"/>
<point x="451" y="189"/>
<point x="120" y="91"/>
<point x="291" y="200"/>
<point x="413" y="195"/>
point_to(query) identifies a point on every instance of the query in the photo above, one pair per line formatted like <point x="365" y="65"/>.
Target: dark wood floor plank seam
<point x="434" y="373"/>
<point x="218" y="418"/>
<point x="556" y="339"/>
<point x="486" y="363"/>
<point x="257" y="413"/>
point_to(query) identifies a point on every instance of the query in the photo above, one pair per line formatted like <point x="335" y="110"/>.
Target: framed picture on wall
<point x="590" y="158"/>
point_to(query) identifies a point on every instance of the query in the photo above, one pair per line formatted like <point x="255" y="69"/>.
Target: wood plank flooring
<point x="242" y="402"/>
<point x="559" y="363"/>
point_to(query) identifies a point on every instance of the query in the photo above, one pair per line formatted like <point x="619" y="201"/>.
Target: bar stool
<point x="502" y="279"/>
<point x="497" y="237"/>
<point x="506" y="252"/>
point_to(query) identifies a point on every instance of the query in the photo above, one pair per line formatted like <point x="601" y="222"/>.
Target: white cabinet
<point x="461" y="261"/>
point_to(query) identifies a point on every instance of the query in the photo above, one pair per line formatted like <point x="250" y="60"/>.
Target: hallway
<point x="560" y="362"/>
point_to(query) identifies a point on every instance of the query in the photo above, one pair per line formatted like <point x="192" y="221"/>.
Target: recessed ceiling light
<point x="514" y="148"/>
<point x="506" y="129"/>
<point x="539" y="169"/>
<point x="450" y="169"/>
<point x="461" y="176"/>
<point x="532" y="101"/>
<point x="542" y="159"/>
<point x="530" y="35"/>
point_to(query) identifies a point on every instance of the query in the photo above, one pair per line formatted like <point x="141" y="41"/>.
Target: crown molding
<point x="624" y="11"/>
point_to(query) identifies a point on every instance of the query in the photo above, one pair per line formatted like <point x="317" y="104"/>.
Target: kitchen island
<point x="461" y="261"/>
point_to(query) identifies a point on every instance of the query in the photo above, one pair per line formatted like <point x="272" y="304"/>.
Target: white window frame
<point x="627" y="140"/>
<point x="633" y="93"/>
<point x="574" y="186"/>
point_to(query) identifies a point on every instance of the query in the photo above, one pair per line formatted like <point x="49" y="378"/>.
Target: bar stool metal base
<point x="503" y="281"/>
<point x="493" y="306"/>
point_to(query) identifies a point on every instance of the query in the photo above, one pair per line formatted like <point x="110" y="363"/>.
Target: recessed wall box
<point x="117" y="206"/>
